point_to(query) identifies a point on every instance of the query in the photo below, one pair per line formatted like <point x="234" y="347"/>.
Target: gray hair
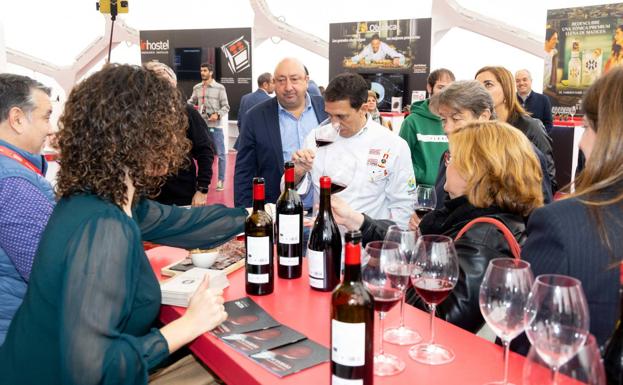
<point x="17" y="91"/>
<point x="464" y="94"/>
<point x="158" y="68"/>
<point x="524" y="70"/>
<point x="264" y="78"/>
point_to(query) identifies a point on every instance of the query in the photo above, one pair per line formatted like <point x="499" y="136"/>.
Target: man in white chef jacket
<point x="373" y="162"/>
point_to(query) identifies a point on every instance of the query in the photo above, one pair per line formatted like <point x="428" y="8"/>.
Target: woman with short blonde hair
<point x="492" y="171"/>
<point x="499" y="165"/>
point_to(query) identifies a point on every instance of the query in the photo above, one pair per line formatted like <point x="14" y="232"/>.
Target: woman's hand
<point x="345" y="215"/>
<point x="205" y="310"/>
<point x="414" y="222"/>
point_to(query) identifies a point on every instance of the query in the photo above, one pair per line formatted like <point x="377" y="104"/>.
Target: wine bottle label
<point x="289" y="230"/>
<point x="289" y="261"/>
<point x="257" y="278"/>
<point x="348" y="343"/>
<point x="258" y="250"/>
<point x="315" y="259"/>
<point x="335" y="380"/>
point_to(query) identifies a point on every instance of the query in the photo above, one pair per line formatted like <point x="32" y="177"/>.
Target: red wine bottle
<point x="258" y="231"/>
<point x="352" y="322"/>
<point x="324" y="251"/>
<point x="289" y="228"/>
<point x="613" y="354"/>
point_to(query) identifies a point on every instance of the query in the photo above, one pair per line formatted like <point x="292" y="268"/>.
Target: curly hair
<point x="499" y="165"/>
<point x="122" y="120"/>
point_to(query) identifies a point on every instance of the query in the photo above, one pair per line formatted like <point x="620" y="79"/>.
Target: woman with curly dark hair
<point x="88" y="315"/>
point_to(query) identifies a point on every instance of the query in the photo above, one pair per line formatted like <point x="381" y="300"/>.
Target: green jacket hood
<point x="421" y="109"/>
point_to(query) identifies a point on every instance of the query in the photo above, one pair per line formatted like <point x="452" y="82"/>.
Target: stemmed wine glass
<point x="326" y="132"/>
<point x="341" y="166"/>
<point x="425" y="200"/>
<point x="406" y="238"/>
<point x="586" y="366"/>
<point x="434" y="275"/>
<point x="380" y="256"/>
<point x="503" y="295"/>
<point x="557" y="319"/>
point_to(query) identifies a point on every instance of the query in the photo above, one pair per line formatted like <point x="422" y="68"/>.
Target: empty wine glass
<point x="586" y="366"/>
<point x="503" y="295"/>
<point x="402" y="335"/>
<point x="380" y="255"/>
<point x="557" y="319"/>
<point x="326" y="132"/>
<point x="434" y="275"/>
<point x="425" y="200"/>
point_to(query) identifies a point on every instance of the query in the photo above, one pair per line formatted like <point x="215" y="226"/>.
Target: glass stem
<point x="381" y="318"/>
<point x="402" y="312"/>
<point x="555" y="375"/>
<point x="506" y="344"/>
<point x="432" y="324"/>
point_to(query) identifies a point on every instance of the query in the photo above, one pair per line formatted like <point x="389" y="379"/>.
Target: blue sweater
<point x="26" y="203"/>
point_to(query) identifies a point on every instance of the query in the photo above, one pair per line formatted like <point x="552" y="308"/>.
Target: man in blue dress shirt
<point x="273" y="130"/>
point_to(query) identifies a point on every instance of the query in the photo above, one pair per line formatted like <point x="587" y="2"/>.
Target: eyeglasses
<point x="295" y="80"/>
<point x="447" y="158"/>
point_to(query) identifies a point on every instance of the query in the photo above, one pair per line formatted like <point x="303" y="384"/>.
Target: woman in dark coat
<point x="582" y="236"/>
<point x="493" y="172"/>
<point x="501" y="85"/>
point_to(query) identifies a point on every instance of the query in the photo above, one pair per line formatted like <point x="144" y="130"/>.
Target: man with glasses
<point x="26" y="197"/>
<point x="273" y="130"/>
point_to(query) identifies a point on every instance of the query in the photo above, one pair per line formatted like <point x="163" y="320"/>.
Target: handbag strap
<point x="510" y="238"/>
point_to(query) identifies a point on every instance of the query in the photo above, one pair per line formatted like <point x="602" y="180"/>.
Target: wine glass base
<point x="431" y="354"/>
<point x="387" y="365"/>
<point x="401" y="336"/>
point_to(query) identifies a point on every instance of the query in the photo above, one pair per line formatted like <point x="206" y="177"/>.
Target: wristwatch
<point x="203" y="190"/>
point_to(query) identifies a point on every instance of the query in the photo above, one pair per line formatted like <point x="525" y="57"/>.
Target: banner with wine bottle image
<point x="580" y="45"/>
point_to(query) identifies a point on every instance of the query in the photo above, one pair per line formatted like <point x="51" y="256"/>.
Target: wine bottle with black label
<point x="289" y="228"/>
<point x="258" y="231"/>
<point x="352" y="322"/>
<point x="613" y="354"/>
<point x="324" y="251"/>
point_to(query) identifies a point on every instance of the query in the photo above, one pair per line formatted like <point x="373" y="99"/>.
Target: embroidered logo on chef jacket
<point x="377" y="163"/>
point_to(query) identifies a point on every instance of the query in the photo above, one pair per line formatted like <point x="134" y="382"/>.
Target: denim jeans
<point x="219" y="143"/>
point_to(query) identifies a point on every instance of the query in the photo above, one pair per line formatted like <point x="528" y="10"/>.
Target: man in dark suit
<point x="537" y="104"/>
<point x="265" y="87"/>
<point x="273" y="130"/>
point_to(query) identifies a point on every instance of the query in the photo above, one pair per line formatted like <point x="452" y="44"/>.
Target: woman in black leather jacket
<point x="493" y="172"/>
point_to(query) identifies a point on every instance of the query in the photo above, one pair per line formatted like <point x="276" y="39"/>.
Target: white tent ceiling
<point x="59" y="32"/>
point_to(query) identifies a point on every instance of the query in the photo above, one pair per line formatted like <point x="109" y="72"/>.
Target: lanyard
<point x="17" y="157"/>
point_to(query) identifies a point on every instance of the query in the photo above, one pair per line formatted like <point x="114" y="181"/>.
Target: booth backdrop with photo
<point x="227" y="49"/>
<point x="392" y="55"/>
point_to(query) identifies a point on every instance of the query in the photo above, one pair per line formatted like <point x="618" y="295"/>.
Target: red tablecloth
<point x="294" y="304"/>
